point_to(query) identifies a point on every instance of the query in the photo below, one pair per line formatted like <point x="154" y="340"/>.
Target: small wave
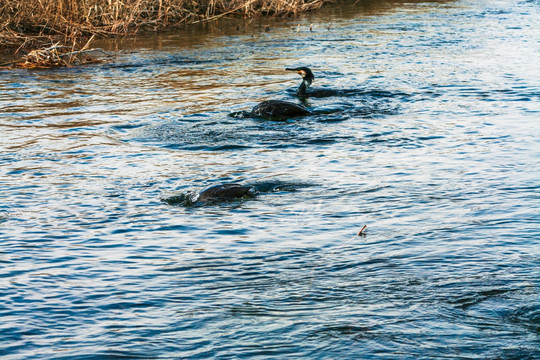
<point x="280" y="186"/>
<point x="182" y="199"/>
<point x="528" y="316"/>
<point x="4" y="216"/>
<point x="141" y="63"/>
<point x="468" y="300"/>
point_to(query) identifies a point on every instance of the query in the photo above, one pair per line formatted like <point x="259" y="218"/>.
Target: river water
<point x="434" y="144"/>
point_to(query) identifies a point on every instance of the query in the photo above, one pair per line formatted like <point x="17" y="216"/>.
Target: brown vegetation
<point x="57" y="56"/>
<point x="32" y="23"/>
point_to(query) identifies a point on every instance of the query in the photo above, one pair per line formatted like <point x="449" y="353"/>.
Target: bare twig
<point x="362" y="232"/>
<point x="215" y="17"/>
<point x="50" y="57"/>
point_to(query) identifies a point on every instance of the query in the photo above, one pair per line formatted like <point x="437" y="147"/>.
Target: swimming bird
<point x="307" y="80"/>
<point x="213" y="195"/>
<point x="276" y="109"/>
<point x="273" y="110"/>
<point x="225" y="192"/>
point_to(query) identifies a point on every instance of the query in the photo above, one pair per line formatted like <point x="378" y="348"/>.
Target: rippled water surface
<point x="433" y="143"/>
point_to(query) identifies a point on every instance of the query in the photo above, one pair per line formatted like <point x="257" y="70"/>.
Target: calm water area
<point x="433" y="142"/>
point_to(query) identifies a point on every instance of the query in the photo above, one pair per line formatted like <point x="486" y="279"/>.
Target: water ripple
<point x="429" y="137"/>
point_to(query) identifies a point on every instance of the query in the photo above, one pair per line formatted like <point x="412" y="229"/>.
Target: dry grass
<point x="59" y="55"/>
<point x="28" y="23"/>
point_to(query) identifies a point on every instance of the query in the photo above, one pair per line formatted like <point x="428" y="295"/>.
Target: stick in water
<point x="361" y="232"/>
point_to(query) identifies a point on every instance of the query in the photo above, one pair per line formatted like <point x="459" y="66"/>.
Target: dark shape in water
<point x="213" y="195"/>
<point x="230" y="192"/>
<point x="273" y="110"/>
<point x="225" y="192"/>
<point x="279" y="109"/>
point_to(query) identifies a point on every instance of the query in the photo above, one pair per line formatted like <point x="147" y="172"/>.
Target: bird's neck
<point x="302" y="89"/>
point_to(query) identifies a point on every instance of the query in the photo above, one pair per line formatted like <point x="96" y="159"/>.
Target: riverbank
<point x="30" y="24"/>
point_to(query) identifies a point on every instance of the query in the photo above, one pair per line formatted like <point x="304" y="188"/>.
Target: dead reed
<point x="58" y="55"/>
<point x="25" y="24"/>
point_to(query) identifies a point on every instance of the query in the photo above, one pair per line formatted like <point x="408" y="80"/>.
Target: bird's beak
<point x="296" y="70"/>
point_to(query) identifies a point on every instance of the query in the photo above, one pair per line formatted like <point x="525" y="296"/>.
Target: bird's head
<point x="304" y="72"/>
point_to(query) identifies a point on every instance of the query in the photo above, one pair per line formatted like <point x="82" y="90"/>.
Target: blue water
<point x="434" y="144"/>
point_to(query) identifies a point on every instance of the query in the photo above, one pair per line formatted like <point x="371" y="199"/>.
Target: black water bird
<point x="307" y="79"/>
<point x="273" y="110"/>
<point x="213" y="195"/>
<point x="278" y="109"/>
<point x="304" y="91"/>
<point x="225" y="192"/>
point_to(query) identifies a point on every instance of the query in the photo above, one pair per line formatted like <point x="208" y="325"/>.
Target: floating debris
<point x="362" y="231"/>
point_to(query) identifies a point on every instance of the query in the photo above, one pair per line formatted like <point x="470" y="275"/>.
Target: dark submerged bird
<point x="273" y="110"/>
<point x="225" y="192"/>
<point x="278" y="109"/>
<point x="213" y="195"/>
